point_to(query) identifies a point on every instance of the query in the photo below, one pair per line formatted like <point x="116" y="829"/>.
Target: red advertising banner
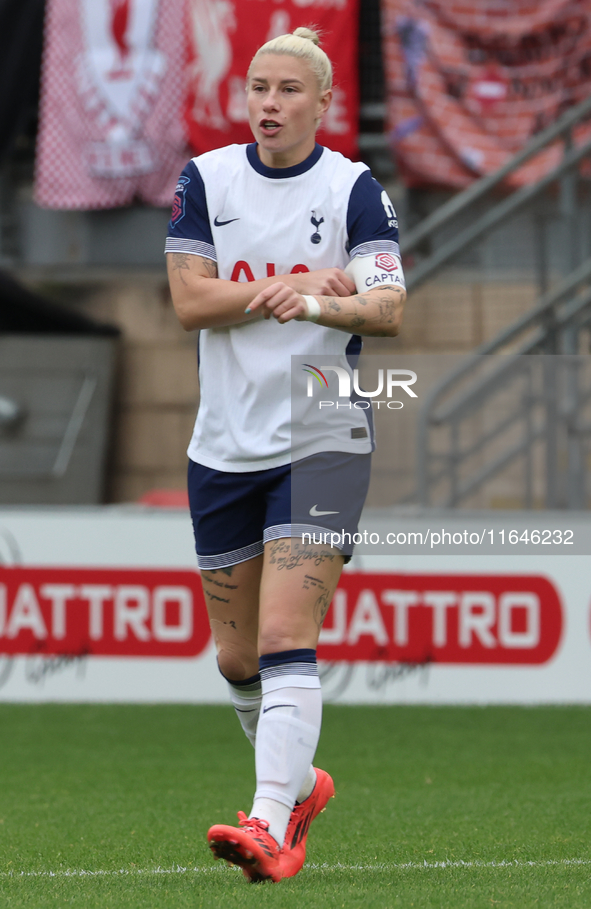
<point x="223" y="37"/>
<point x="391" y="618"/>
<point x="469" y="83"/>
<point x="454" y="619"/>
<point x="102" y="612"/>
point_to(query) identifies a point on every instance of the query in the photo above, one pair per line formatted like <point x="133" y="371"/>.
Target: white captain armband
<point x="313" y="306"/>
<point x="378" y="270"/>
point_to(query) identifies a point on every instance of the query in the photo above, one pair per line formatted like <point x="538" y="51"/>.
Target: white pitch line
<point x="338" y="866"/>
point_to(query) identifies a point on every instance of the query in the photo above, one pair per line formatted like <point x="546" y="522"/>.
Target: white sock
<point x="287" y="735"/>
<point x="307" y="786"/>
<point x="246" y="700"/>
<point x="275" y="813"/>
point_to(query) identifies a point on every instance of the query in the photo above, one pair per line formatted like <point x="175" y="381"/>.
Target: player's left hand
<point x="281" y="302"/>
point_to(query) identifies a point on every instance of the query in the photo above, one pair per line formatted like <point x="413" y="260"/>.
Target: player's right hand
<point x="330" y="282"/>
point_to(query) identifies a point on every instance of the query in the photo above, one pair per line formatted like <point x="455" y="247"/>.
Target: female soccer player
<point x="258" y="243"/>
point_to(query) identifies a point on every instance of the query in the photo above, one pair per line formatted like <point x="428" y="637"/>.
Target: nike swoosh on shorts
<point x="316" y="514"/>
<point x="221" y="223"/>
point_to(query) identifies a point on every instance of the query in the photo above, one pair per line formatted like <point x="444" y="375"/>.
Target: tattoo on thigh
<point x="321" y="607"/>
<point x="310" y="581"/>
<point x="214" y="596"/>
<point x="291" y="554"/>
<point x="207" y="577"/>
<point x="323" y="602"/>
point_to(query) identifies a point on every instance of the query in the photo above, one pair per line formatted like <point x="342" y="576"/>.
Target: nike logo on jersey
<point x="221" y="223"/>
<point x="316" y="514"/>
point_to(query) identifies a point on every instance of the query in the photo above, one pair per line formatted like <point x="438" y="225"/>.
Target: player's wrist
<point x="314" y="310"/>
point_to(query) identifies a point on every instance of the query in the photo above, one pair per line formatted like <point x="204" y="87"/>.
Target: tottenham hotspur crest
<point x="316" y="238"/>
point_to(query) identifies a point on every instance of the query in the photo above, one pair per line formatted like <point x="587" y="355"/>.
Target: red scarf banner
<point x="111" y="116"/>
<point x="223" y="37"/>
<point x="469" y="83"/>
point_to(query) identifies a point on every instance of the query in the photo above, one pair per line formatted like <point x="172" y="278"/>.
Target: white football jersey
<point x="255" y="221"/>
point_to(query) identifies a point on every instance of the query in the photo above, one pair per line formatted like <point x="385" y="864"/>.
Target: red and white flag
<point x="470" y="83"/>
<point x="111" y="119"/>
<point x="223" y="37"/>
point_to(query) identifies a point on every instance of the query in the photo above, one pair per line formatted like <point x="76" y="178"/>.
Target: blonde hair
<point x="303" y="43"/>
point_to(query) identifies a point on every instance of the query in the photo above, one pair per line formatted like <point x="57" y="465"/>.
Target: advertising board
<point x="105" y="604"/>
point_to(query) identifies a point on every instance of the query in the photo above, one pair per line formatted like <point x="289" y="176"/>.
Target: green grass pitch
<point x="436" y="807"/>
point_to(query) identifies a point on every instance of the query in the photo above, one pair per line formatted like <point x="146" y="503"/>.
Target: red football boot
<point x="249" y="845"/>
<point x="293" y="854"/>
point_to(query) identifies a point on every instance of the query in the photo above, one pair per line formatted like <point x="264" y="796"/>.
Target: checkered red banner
<point x="471" y="81"/>
<point x="111" y="103"/>
<point x="223" y="37"/>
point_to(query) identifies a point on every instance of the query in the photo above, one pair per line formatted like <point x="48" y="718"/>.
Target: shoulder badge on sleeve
<point x="178" y="205"/>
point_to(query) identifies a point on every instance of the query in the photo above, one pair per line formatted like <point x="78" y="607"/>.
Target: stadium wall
<point x="104" y="604"/>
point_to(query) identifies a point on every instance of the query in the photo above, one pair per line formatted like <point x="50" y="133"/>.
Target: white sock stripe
<point x="273" y="672"/>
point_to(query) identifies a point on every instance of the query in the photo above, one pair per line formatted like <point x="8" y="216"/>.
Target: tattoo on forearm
<point x="380" y="310"/>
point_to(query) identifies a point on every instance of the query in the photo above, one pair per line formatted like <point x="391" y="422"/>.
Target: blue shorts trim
<point x="235" y="514"/>
<point x="223" y="559"/>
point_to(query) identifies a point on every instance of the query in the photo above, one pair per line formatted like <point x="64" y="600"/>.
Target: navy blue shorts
<point x="235" y="514"/>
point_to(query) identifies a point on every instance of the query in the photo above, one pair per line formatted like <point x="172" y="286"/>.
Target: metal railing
<point x="501" y="405"/>
<point x="548" y="396"/>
